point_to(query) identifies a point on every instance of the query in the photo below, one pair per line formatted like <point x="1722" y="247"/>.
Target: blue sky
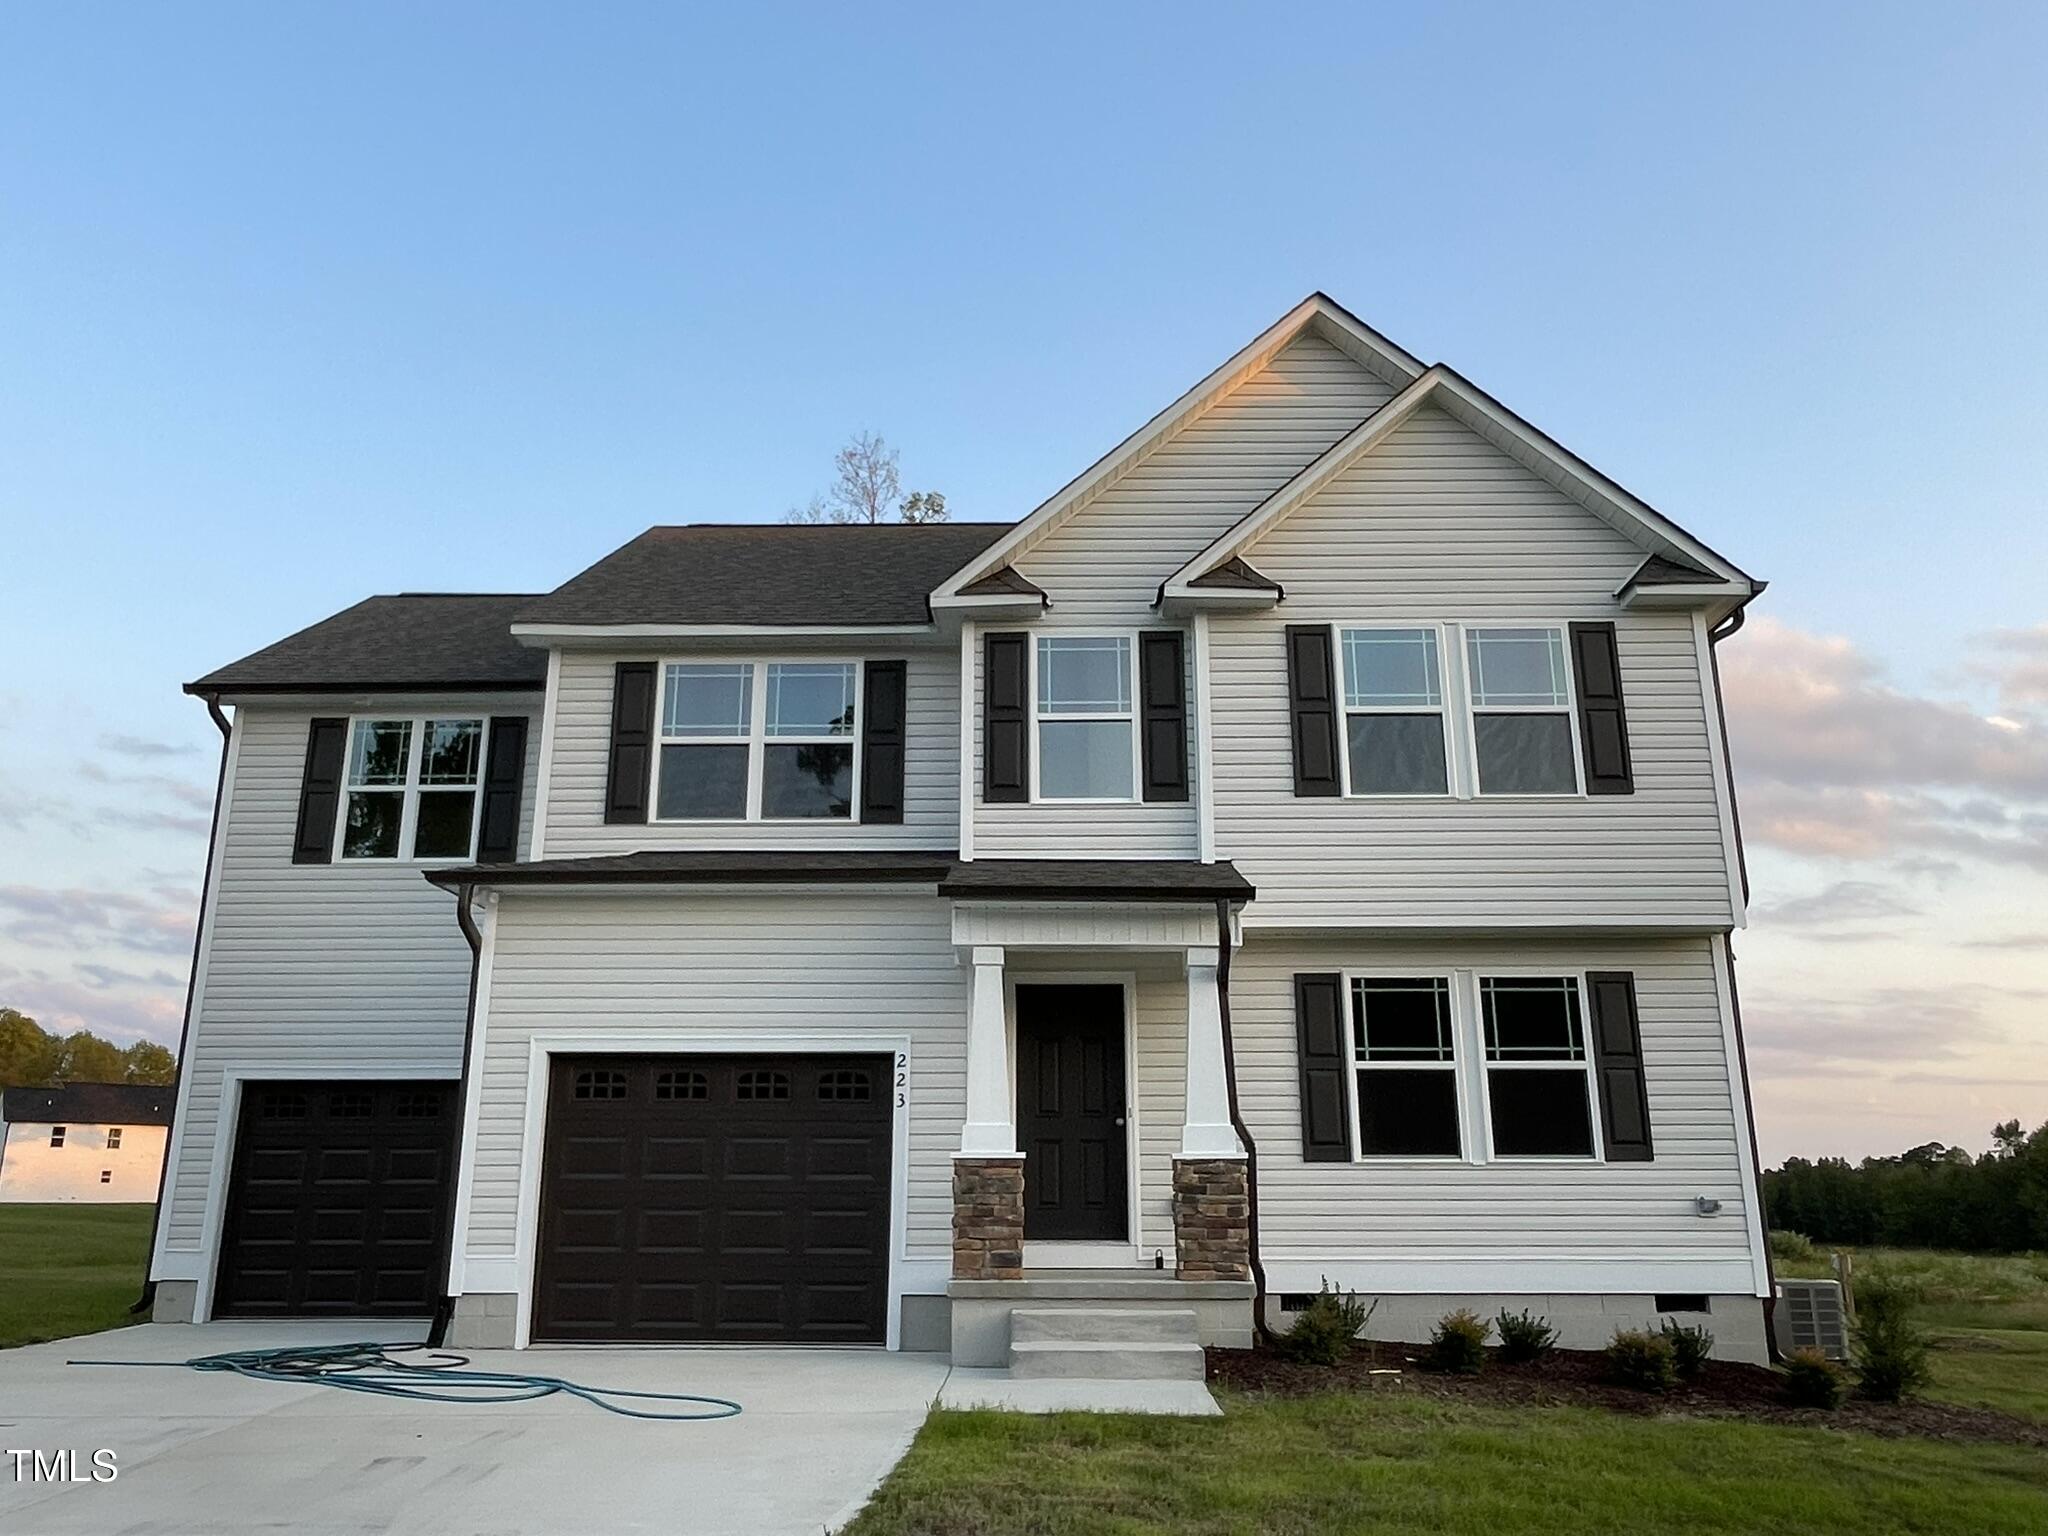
<point x="298" y="305"/>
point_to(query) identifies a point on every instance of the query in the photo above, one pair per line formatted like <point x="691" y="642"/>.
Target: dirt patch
<point x="1578" y="1378"/>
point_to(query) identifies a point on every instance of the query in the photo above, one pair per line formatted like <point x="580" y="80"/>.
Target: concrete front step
<point x="1107" y="1360"/>
<point x="1104" y="1325"/>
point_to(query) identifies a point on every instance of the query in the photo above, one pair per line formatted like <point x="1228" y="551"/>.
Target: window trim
<point x="1473" y="709"/>
<point x="1452" y="696"/>
<point x="410" y="791"/>
<point x="1459" y="1052"/>
<point x="756" y="740"/>
<point x="1588" y="1066"/>
<point x="114" y="1138"/>
<point x="1129" y="718"/>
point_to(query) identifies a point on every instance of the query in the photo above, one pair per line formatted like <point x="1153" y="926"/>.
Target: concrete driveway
<point x="225" y="1456"/>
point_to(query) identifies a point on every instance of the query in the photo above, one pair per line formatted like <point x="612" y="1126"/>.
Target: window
<point x="600" y="1085"/>
<point x="348" y="1106"/>
<point x="745" y="741"/>
<point x="283" y="1104"/>
<point x="57" y="1135"/>
<point x="1087" y="736"/>
<point x="1394" y="712"/>
<point x="1538" y="1083"/>
<point x="848" y="1087"/>
<point x="1407" y="1073"/>
<point x="1522" y="711"/>
<point x="114" y="1138"/>
<point x="681" y="1085"/>
<point x="412" y="789"/>
<point x="417" y="1105"/>
<point x="106" y="1175"/>
<point x="762" y="1085"/>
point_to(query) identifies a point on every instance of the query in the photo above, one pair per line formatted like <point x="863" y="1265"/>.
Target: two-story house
<point x="1303" y="848"/>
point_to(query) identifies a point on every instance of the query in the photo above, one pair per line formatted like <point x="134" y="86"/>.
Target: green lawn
<point x="1390" y="1465"/>
<point x="68" y="1269"/>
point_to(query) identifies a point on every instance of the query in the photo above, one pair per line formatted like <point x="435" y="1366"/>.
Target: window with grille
<point x="282" y="1105"/>
<point x="600" y="1084"/>
<point x="1407" y="1067"/>
<point x="415" y="1105"/>
<point x="681" y="1085"/>
<point x="348" y="1106"/>
<point x="844" y="1086"/>
<point x="114" y="1139"/>
<point x="1538" y="1083"/>
<point x="753" y="1087"/>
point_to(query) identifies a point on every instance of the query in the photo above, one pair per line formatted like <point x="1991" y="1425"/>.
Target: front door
<point x="1070" y="1113"/>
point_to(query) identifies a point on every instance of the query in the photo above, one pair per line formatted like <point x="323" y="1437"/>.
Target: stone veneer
<point x="1211" y="1219"/>
<point x="988" y="1218"/>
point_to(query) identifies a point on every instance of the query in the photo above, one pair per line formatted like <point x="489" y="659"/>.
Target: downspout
<point x="1244" y="1136"/>
<point x="220" y="779"/>
<point x="1732" y="625"/>
<point x="444" y="1309"/>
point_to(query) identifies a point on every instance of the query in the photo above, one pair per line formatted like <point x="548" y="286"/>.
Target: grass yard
<point x="1391" y="1465"/>
<point x="68" y="1269"/>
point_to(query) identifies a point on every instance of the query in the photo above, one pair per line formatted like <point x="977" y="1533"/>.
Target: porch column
<point x="988" y="1170"/>
<point x="1206" y="1130"/>
<point x="990" y="1130"/>
<point x="1211" y="1198"/>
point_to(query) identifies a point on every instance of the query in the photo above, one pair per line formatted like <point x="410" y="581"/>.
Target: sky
<point x="299" y="304"/>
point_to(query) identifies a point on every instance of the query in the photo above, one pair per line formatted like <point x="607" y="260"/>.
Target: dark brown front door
<point x="1070" y="1113"/>
<point x="716" y="1197"/>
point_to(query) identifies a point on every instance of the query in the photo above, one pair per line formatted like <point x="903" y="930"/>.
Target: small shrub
<point x="1887" y="1342"/>
<point x="1812" y="1380"/>
<point x="1796" y="1247"/>
<point x="1325" y="1332"/>
<point x="1524" y="1336"/>
<point x="1643" y="1360"/>
<point x="1691" y="1348"/>
<point x="1459" y="1342"/>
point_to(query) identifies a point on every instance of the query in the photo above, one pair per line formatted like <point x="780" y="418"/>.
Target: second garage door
<point x="739" y="1198"/>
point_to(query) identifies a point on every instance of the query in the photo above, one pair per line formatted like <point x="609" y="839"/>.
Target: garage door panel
<point x="758" y="1206"/>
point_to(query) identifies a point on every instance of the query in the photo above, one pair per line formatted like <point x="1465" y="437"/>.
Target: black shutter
<point x="1163" y="713"/>
<point x="1005" y="719"/>
<point x="1618" y="1053"/>
<point x="320" y="792"/>
<point x="1319" y="1038"/>
<point x="497" y="840"/>
<point x="1312" y="701"/>
<point x="1603" y="723"/>
<point x="882" y="729"/>
<point x="632" y="766"/>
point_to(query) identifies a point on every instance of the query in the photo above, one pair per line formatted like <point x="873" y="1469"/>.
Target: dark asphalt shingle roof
<point x="1233" y="574"/>
<point x="1669" y="571"/>
<point x="89" y="1104"/>
<point x="768" y="573"/>
<point x="1096" y="880"/>
<point x="406" y="642"/>
<point x="1004" y="581"/>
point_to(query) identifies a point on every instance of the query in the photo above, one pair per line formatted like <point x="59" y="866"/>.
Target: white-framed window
<point x="1524" y="728"/>
<point x="1396" y="739"/>
<point x="1083" y="691"/>
<point x="114" y="1138"/>
<point x="1405" y="1089"/>
<point x="1539" y="1073"/>
<point x="57" y="1135"/>
<point x="411" y="788"/>
<point x="758" y="741"/>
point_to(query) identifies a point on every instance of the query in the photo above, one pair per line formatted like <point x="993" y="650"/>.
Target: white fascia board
<point x="1179" y="600"/>
<point x="1331" y="321"/>
<point x="999" y="605"/>
<point x="584" y="636"/>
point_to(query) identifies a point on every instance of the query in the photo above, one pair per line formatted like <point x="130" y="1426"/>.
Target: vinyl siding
<point x="582" y="749"/>
<point x="1390" y="1212"/>
<point x="1438" y="525"/>
<point x="318" y="968"/>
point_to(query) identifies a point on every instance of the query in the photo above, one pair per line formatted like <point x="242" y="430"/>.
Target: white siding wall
<point x="318" y="968"/>
<point x="1386" y="1219"/>
<point x="32" y="1171"/>
<point x="582" y="748"/>
<point x="1439" y="525"/>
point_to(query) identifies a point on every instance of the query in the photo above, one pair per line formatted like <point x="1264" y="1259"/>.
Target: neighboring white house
<point x="101" y="1142"/>
<point x="1302" y="848"/>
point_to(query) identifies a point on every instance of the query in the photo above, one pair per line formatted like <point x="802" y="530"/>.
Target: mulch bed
<point x="1578" y="1378"/>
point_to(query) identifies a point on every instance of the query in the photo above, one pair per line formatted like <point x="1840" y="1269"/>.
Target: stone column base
<point x="1212" y="1233"/>
<point x="988" y="1218"/>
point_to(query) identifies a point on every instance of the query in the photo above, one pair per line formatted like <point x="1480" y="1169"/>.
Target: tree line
<point x="33" y="1057"/>
<point x="1929" y="1196"/>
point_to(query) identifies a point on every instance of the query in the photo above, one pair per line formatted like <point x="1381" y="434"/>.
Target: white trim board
<point x="1463" y="1275"/>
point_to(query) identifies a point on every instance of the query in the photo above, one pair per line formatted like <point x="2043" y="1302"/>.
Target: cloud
<point x="139" y="746"/>
<point x="159" y="922"/>
<point x="1843" y="901"/>
<point x="122" y="1016"/>
<point x="105" y="977"/>
<point x="197" y="796"/>
<point x="1794" y="1036"/>
<point x="2021" y="670"/>
<point x="2010" y="941"/>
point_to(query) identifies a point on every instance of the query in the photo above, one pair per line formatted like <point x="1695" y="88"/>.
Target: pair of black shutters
<point x="629" y="778"/>
<point x="320" y="790"/>
<point x="1006" y="716"/>
<point x="1323" y="1047"/>
<point x="1317" y="716"/>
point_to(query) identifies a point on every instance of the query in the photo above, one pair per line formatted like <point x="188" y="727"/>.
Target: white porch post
<point x="990" y="1131"/>
<point x="1206" y="1131"/>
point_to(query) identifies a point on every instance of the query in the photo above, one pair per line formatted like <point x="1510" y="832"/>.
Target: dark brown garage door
<point x="337" y="1200"/>
<point x="716" y="1197"/>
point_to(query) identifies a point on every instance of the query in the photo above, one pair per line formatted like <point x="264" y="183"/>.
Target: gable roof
<point x="780" y="575"/>
<point x="89" y="1104"/>
<point x="1541" y="455"/>
<point x="1318" y="312"/>
<point x="409" y="642"/>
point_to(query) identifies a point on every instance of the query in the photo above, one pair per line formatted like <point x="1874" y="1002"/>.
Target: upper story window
<point x="411" y="788"/>
<point x="1406" y="1094"/>
<point x="1087" y="731"/>
<point x="1522" y="732"/>
<point x="1538" y="1075"/>
<point x="57" y="1135"/>
<point x="751" y="741"/>
<point x="114" y="1138"/>
<point x="1394" y="734"/>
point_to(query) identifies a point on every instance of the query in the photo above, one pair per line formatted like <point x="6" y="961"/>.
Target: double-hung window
<point x="1522" y="735"/>
<point x="750" y="740"/>
<point x="411" y="790"/>
<point x="1087" y="730"/>
<point x="1538" y="1077"/>
<point x="1406" y="1067"/>
<point x="1394" y="712"/>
